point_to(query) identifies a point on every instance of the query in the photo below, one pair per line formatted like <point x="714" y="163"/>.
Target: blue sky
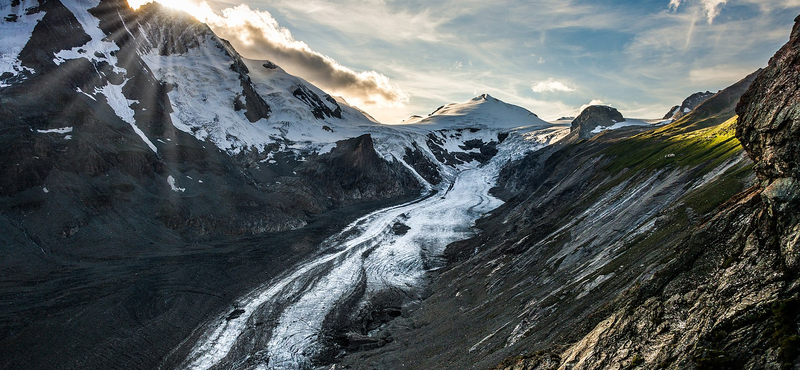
<point x="397" y="58"/>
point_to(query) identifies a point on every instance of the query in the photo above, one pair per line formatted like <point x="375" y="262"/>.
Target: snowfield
<point x="15" y="35"/>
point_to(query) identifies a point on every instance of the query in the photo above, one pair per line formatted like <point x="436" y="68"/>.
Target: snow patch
<point x="171" y="182"/>
<point x="91" y="25"/>
<point x="619" y="125"/>
<point x="63" y="130"/>
<point x="122" y="107"/>
<point x="78" y="89"/>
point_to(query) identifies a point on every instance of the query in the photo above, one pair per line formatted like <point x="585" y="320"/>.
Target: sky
<point x="395" y="58"/>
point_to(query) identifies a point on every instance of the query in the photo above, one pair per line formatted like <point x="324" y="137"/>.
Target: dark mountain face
<point x="117" y="228"/>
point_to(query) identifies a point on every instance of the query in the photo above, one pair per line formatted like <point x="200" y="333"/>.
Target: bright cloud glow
<point x="551" y="85"/>
<point x="256" y="34"/>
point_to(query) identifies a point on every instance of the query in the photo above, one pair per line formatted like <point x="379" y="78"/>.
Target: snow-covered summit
<point x="139" y="61"/>
<point x="483" y="110"/>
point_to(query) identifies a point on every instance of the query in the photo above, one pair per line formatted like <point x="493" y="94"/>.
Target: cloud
<point x="256" y="34"/>
<point x="711" y="8"/>
<point x="368" y="19"/>
<point x="551" y="85"/>
<point x="591" y="103"/>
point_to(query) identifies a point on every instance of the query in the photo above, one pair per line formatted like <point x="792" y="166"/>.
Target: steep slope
<point x="585" y="221"/>
<point x="729" y="298"/>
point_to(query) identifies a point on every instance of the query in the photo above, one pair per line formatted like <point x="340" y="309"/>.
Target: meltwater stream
<point x="281" y="323"/>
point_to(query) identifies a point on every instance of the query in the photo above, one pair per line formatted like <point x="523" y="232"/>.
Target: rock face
<point x="688" y="105"/>
<point x="769" y="128"/>
<point x="594" y="116"/>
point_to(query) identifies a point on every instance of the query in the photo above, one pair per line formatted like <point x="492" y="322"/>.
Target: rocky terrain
<point x="671" y="247"/>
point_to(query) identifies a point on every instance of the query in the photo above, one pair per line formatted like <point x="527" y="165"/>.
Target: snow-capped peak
<point x="482" y="110"/>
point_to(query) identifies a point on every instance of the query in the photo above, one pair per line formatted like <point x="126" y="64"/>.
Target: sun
<point x="200" y="11"/>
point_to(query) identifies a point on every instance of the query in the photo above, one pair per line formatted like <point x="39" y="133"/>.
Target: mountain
<point x="688" y="105"/>
<point x="483" y="110"/>
<point x="167" y="203"/>
<point x="151" y="176"/>
<point x="149" y="171"/>
<point x="596" y="119"/>
<point x="646" y="248"/>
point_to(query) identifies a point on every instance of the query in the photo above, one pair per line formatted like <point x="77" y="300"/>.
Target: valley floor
<point x="133" y="313"/>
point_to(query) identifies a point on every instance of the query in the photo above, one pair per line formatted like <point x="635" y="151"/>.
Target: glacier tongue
<point x="366" y="253"/>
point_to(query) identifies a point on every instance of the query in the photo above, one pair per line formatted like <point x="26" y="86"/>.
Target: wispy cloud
<point x="718" y="74"/>
<point x="711" y="8"/>
<point x="369" y="19"/>
<point x="551" y="85"/>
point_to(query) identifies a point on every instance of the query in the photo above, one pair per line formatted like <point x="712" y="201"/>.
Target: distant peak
<point x="483" y="97"/>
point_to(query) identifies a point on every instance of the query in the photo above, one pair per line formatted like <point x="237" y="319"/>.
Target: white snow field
<point x="15" y="34"/>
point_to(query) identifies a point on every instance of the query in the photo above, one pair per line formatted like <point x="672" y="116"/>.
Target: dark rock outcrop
<point x="593" y="117"/>
<point x="688" y="105"/>
<point x="354" y="172"/>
